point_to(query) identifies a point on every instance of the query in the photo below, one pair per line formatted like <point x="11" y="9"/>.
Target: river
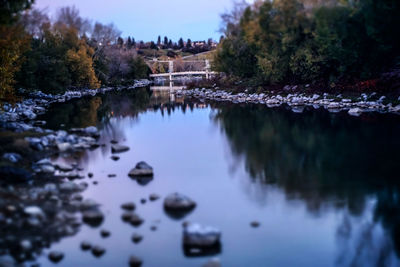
<point x="323" y="186"/>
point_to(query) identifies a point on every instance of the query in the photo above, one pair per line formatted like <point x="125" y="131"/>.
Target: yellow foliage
<point x="80" y="64"/>
<point x="13" y="43"/>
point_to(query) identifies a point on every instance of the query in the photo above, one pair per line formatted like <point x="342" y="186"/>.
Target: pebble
<point x="255" y="224"/>
<point x="98" y="251"/>
<point x="85" y="245"/>
<point x="119" y="149"/>
<point x="135" y="261"/>
<point x="115" y="158"/>
<point x="105" y="233"/>
<point x="136" y="238"/>
<point x="93" y="217"/>
<point x="130" y="206"/>
<point x="56" y="256"/>
<point x="154" y="197"/>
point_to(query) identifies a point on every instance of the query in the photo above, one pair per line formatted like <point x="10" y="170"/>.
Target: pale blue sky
<point x="146" y="19"/>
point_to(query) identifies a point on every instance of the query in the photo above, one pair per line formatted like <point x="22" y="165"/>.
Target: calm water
<point x="325" y="187"/>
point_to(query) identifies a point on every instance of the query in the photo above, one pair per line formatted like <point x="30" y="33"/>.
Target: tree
<point x="129" y="43"/>
<point x="80" y="65"/>
<point x="105" y="34"/>
<point x="181" y="43"/>
<point x="13" y="43"/>
<point x="170" y="45"/>
<point x="11" y="9"/>
<point x="189" y="43"/>
<point x="165" y="40"/>
<point x="120" y="42"/>
<point x="33" y="20"/>
<point x="153" y="45"/>
<point x="159" y="40"/>
<point x="70" y="17"/>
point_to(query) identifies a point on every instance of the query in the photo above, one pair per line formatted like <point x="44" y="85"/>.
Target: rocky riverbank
<point x="355" y="106"/>
<point x="41" y="202"/>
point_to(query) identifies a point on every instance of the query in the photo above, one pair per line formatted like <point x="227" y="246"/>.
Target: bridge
<point x="195" y="69"/>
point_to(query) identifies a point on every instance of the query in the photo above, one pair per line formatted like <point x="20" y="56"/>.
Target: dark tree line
<point x="303" y="41"/>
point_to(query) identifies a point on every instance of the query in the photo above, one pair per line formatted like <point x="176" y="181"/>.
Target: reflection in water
<point x="327" y="161"/>
<point x="338" y="167"/>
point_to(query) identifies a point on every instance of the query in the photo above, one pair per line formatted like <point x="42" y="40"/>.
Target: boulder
<point x="93" y="217"/>
<point x="63" y="167"/>
<point x="135" y="261"/>
<point x="56" y="256"/>
<point x="178" y="201"/>
<point x="355" y="112"/>
<point x="141" y="169"/>
<point x="12" y="157"/>
<point x="178" y="206"/>
<point x="195" y="234"/>
<point x="119" y="148"/>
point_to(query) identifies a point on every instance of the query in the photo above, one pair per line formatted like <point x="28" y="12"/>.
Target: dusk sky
<point x="145" y="20"/>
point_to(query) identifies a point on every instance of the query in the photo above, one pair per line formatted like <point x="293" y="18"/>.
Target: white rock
<point x="355" y="112"/>
<point x="203" y="236"/>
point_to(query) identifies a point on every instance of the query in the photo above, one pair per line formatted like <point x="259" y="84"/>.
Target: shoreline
<point x="354" y="106"/>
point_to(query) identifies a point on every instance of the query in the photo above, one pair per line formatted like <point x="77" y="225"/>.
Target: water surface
<point x="325" y="187"/>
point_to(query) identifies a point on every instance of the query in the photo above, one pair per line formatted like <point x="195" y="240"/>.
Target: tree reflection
<point x="325" y="160"/>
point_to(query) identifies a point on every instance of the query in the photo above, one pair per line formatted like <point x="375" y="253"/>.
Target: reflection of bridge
<point x="201" y="71"/>
<point x="170" y="88"/>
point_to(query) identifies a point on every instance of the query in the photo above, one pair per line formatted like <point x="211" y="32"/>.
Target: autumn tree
<point x="13" y="43"/>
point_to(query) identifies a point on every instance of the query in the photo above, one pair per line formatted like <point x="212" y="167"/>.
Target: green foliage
<point x="10" y="9"/>
<point x="280" y="41"/>
<point x="138" y="68"/>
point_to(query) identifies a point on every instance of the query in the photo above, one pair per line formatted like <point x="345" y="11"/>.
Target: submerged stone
<point x="135" y="261"/>
<point x="136" y="238"/>
<point x="98" y="251"/>
<point x="119" y="148"/>
<point x="128" y="206"/>
<point x="93" y="218"/>
<point x="141" y="169"/>
<point x="56" y="256"/>
<point x="85" y="245"/>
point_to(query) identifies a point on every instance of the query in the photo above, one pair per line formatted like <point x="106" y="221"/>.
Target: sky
<point x="146" y="19"/>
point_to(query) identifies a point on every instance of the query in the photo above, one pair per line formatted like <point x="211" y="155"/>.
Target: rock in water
<point x="85" y="245"/>
<point x="128" y="206"/>
<point x="154" y="197"/>
<point x="135" y="261"/>
<point x="56" y="256"/>
<point x="136" y="238"/>
<point x="200" y="236"/>
<point x="93" y="217"/>
<point x="105" y="233"/>
<point x="141" y="169"/>
<point x="98" y="251"/>
<point x="355" y="112"/>
<point x="12" y="157"/>
<point x="177" y="205"/>
<point x="119" y="149"/>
